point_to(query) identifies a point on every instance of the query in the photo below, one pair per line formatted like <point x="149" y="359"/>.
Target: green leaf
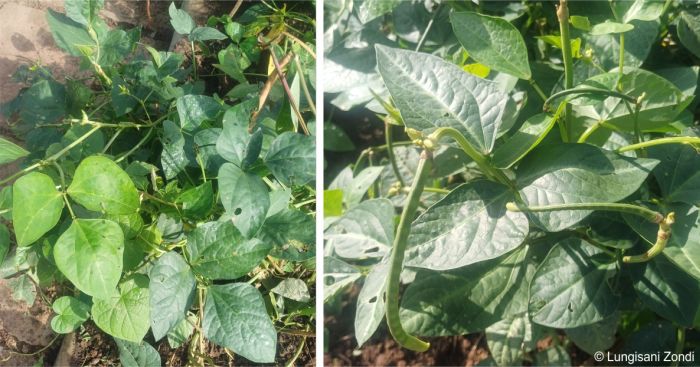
<point x="84" y="12"/>
<point x="125" y="315"/>
<point x="595" y="337"/>
<point x="252" y="150"/>
<point x="469" y="225"/>
<point x="556" y="42"/>
<point x="509" y="338"/>
<point x="218" y="251"/>
<point x="357" y="188"/>
<point x="292" y="158"/>
<point x="335" y="139"/>
<point x="6" y="202"/>
<point x="181" y="21"/>
<point x="645" y="10"/>
<point x="197" y="201"/>
<point x="230" y="63"/>
<point x="101" y="185"/>
<point x="678" y="174"/>
<point x="580" y="22"/>
<point x="245" y="197"/>
<point x="610" y="27"/>
<point x="337" y="274"/>
<point x="36" y="208"/>
<point x="574" y="173"/>
<point x="530" y="134"/>
<point x="683" y="248"/>
<point x="571" y="289"/>
<point x="89" y="253"/>
<point x="443" y="100"/>
<point x="657" y="335"/>
<point x="114" y="46"/>
<point x="370" y="303"/>
<point x="466" y="300"/>
<point x="4" y="242"/>
<point x="292" y="288"/>
<point x="555" y="355"/>
<point x="10" y="151"/>
<point x="23" y="289"/>
<point x="182" y="332"/>
<point x="235" y="137"/>
<point x="638" y="43"/>
<point x="689" y="32"/>
<point x="173" y="157"/>
<point x="205" y="148"/>
<point x="332" y="203"/>
<point x="194" y="109"/>
<point x="364" y="231"/>
<point x="172" y="286"/>
<point x="70" y="313"/>
<point x="368" y="10"/>
<point x="669" y="291"/>
<point x="201" y="34"/>
<point x="293" y="234"/>
<point x="67" y="33"/>
<point x="235" y="317"/>
<point x="43" y="102"/>
<point x="662" y="100"/>
<point x="492" y="41"/>
<point x="139" y="354"/>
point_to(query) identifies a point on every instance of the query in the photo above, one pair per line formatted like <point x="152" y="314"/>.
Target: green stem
<point x="621" y="65"/>
<point x="589" y="131"/>
<point x="63" y="188"/>
<point x="641" y="211"/>
<point x="662" y="237"/>
<point x="436" y="190"/>
<point x="581" y="91"/>
<point x="690" y="140"/>
<point x="427" y="28"/>
<point x="390" y="152"/>
<point x="304" y="87"/>
<point x="563" y="16"/>
<point x="135" y="147"/>
<point x="478" y="158"/>
<point x="680" y="343"/>
<point x="397" y="255"/>
<point x="52" y="158"/>
<point x="194" y="60"/>
<point x="537" y="89"/>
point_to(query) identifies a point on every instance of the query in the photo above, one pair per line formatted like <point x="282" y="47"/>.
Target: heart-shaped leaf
<point x="172" y="286"/>
<point x="245" y="197"/>
<point x="101" y="185"/>
<point x="469" y="225"/>
<point x="430" y="93"/>
<point x="89" y="253"/>
<point x="571" y="288"/>
<point x="235" y="317"/>
<point x="139" y="354"/>
<point x="292" y="158"/>
<point x="492" y="41"/>
<point x="36" y="208"/>
<point x="70" y="313"/>
<point x="217" y="250"/>
<point x="125" y="315"/>
<point x="574" y="173"/>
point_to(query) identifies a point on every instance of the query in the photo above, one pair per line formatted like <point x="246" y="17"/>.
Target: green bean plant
<point x="150" y="196"/>
<point x="548" y="183"/>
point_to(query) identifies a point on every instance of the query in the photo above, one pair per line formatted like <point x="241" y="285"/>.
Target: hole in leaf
<point x="373" y="299"/>
<point x="237" y="211"/>
<point x="371" y="250"/>
<point x="329" y="279"/>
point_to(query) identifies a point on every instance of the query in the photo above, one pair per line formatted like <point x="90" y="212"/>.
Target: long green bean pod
<point x="397" y="255"/>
